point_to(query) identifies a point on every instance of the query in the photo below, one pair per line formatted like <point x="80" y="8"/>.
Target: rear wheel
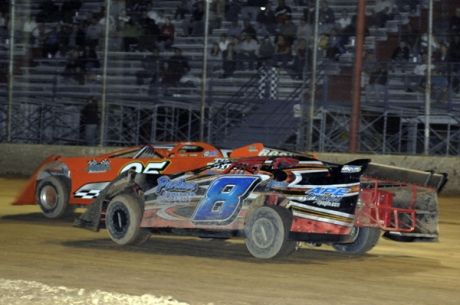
<point x="53" y="197"/>
<point x="366" y="239"/>
<point x="267" y="230"/>
<point x="123" y="219"/>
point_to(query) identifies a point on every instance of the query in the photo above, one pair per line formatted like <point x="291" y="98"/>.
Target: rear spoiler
<point x="428" y="179"/>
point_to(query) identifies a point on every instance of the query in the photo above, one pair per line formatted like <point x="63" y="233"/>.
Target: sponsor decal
<point x="220" y="164"/>
<point x="327" y="196"/>
<point x="274" y="152"/>
<point x="348" y="169"/>
<point x="175" y="190"/>
<point x="210" y="153"/>
<point x="278" y="184"/>
<point x="252" y="148"/>
<point x="95" y="167"/>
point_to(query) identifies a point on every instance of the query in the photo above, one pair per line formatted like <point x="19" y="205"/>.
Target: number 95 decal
<point x="223" y="200"/>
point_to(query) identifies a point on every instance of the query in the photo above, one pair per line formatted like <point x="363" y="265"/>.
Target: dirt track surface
<point x="53" y="254"/>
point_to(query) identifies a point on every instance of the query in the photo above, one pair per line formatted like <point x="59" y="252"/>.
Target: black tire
<point x="123" y="219"/>
<point x="266" y="232"/>
<point x="52" y="196"/>
<point x="365" y="240"/>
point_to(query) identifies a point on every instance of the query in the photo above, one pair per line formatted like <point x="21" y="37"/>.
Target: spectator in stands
<point x="40" y="36"/>
<point x="223" y="42"/>
<point x="454" y="48"/>
<point x="444" y="60"/>
<point x="236" y="44"/>
<point x="144" y="20"/>
<point x="17" y="26"/>
<point x="405" y="6"/>
<point x="441" y="27"/>
<point x="93" y="33"/>
<point x="266" y="19"/>
<point x="179" y="63"/>
<point x="27" y="30"/>
<point x="131" y="34"/>
<point x="158" y="17"/>
<point x="234" y="29"/>
<point x="229" y="61"/>
<point x="184" y="7"/>
<point x="289" y="30"/>
<point x="381" y="13"/>
<point x="412" y="36"/>
<point x="233" y="9"/>
<point x="90" y="119"/>
<point x="151" y="65"/>
<point x="87" y="20"/>
<point x="401" y="55"/>
<point x="305" y="30"/>
<point x="248" y="52"/>
<point x="434" y="43"/>
<point x="249" y="30"/>
<point x="455" y="22"/>
<point x="439" y="86"/>
<point x="251" y="8"/>
<point x="117" y="10"/>
<point x="169" y="78"/>
<point x="326" y="17"/>
<point x="215" y="53"/>
<point x="282" y="11"/>
<point x="195" y="25"/>
<point x="89" y="59"/>
<point x="350" y="31"/>
<point x="302" y="59"/>
<point x="377" y="77"/>
<point x="74" y="71"/>
<point x="123" y="17"/>
<point x="52" y="42"/>
<point x="166" y="38"/>
<point x="216" y="8"/>
<point x="334" y="46"/>
<point x="266" y="51"/>
<point x="418" y="77"/>
<point x="69" y="9"/>
<point x="345" y="20"/>
<point x="283" y="51"/>
<point x="76" y="37"/>
<point x="448" y="66"/>
<point x="136" y="8"/>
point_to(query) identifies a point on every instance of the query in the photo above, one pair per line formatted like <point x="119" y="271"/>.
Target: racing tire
<point x="123" y="219"/>
<point x="52" y="196"/>
<point x="266" y="232"/>
<point x="366" y="239"/>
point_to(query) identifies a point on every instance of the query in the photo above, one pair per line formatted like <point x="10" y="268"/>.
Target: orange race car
<point x="61" y="184"/>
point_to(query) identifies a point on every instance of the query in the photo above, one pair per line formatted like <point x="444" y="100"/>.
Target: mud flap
<point x="91" y="218"/>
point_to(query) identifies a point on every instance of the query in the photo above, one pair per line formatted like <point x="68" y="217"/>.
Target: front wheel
<point x="52" y="196"/>
<point x="123" y="219"/>
<point x="366" y="239"/>
<point x="267" y="230"/>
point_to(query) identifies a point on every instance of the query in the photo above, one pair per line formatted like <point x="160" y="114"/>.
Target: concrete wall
<point x="23" y="159"/>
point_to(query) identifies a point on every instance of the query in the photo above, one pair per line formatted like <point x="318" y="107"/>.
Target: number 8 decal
<point x="223" y="200"/>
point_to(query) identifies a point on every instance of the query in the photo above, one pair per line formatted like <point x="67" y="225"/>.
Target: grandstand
<point x="241" y="109"/>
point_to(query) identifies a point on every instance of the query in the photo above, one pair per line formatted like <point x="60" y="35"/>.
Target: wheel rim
<point x="263" y="232"/>
<point x="354" y="232"/>
<point x="48" y="197"/>
<point x="120" y="220"/>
